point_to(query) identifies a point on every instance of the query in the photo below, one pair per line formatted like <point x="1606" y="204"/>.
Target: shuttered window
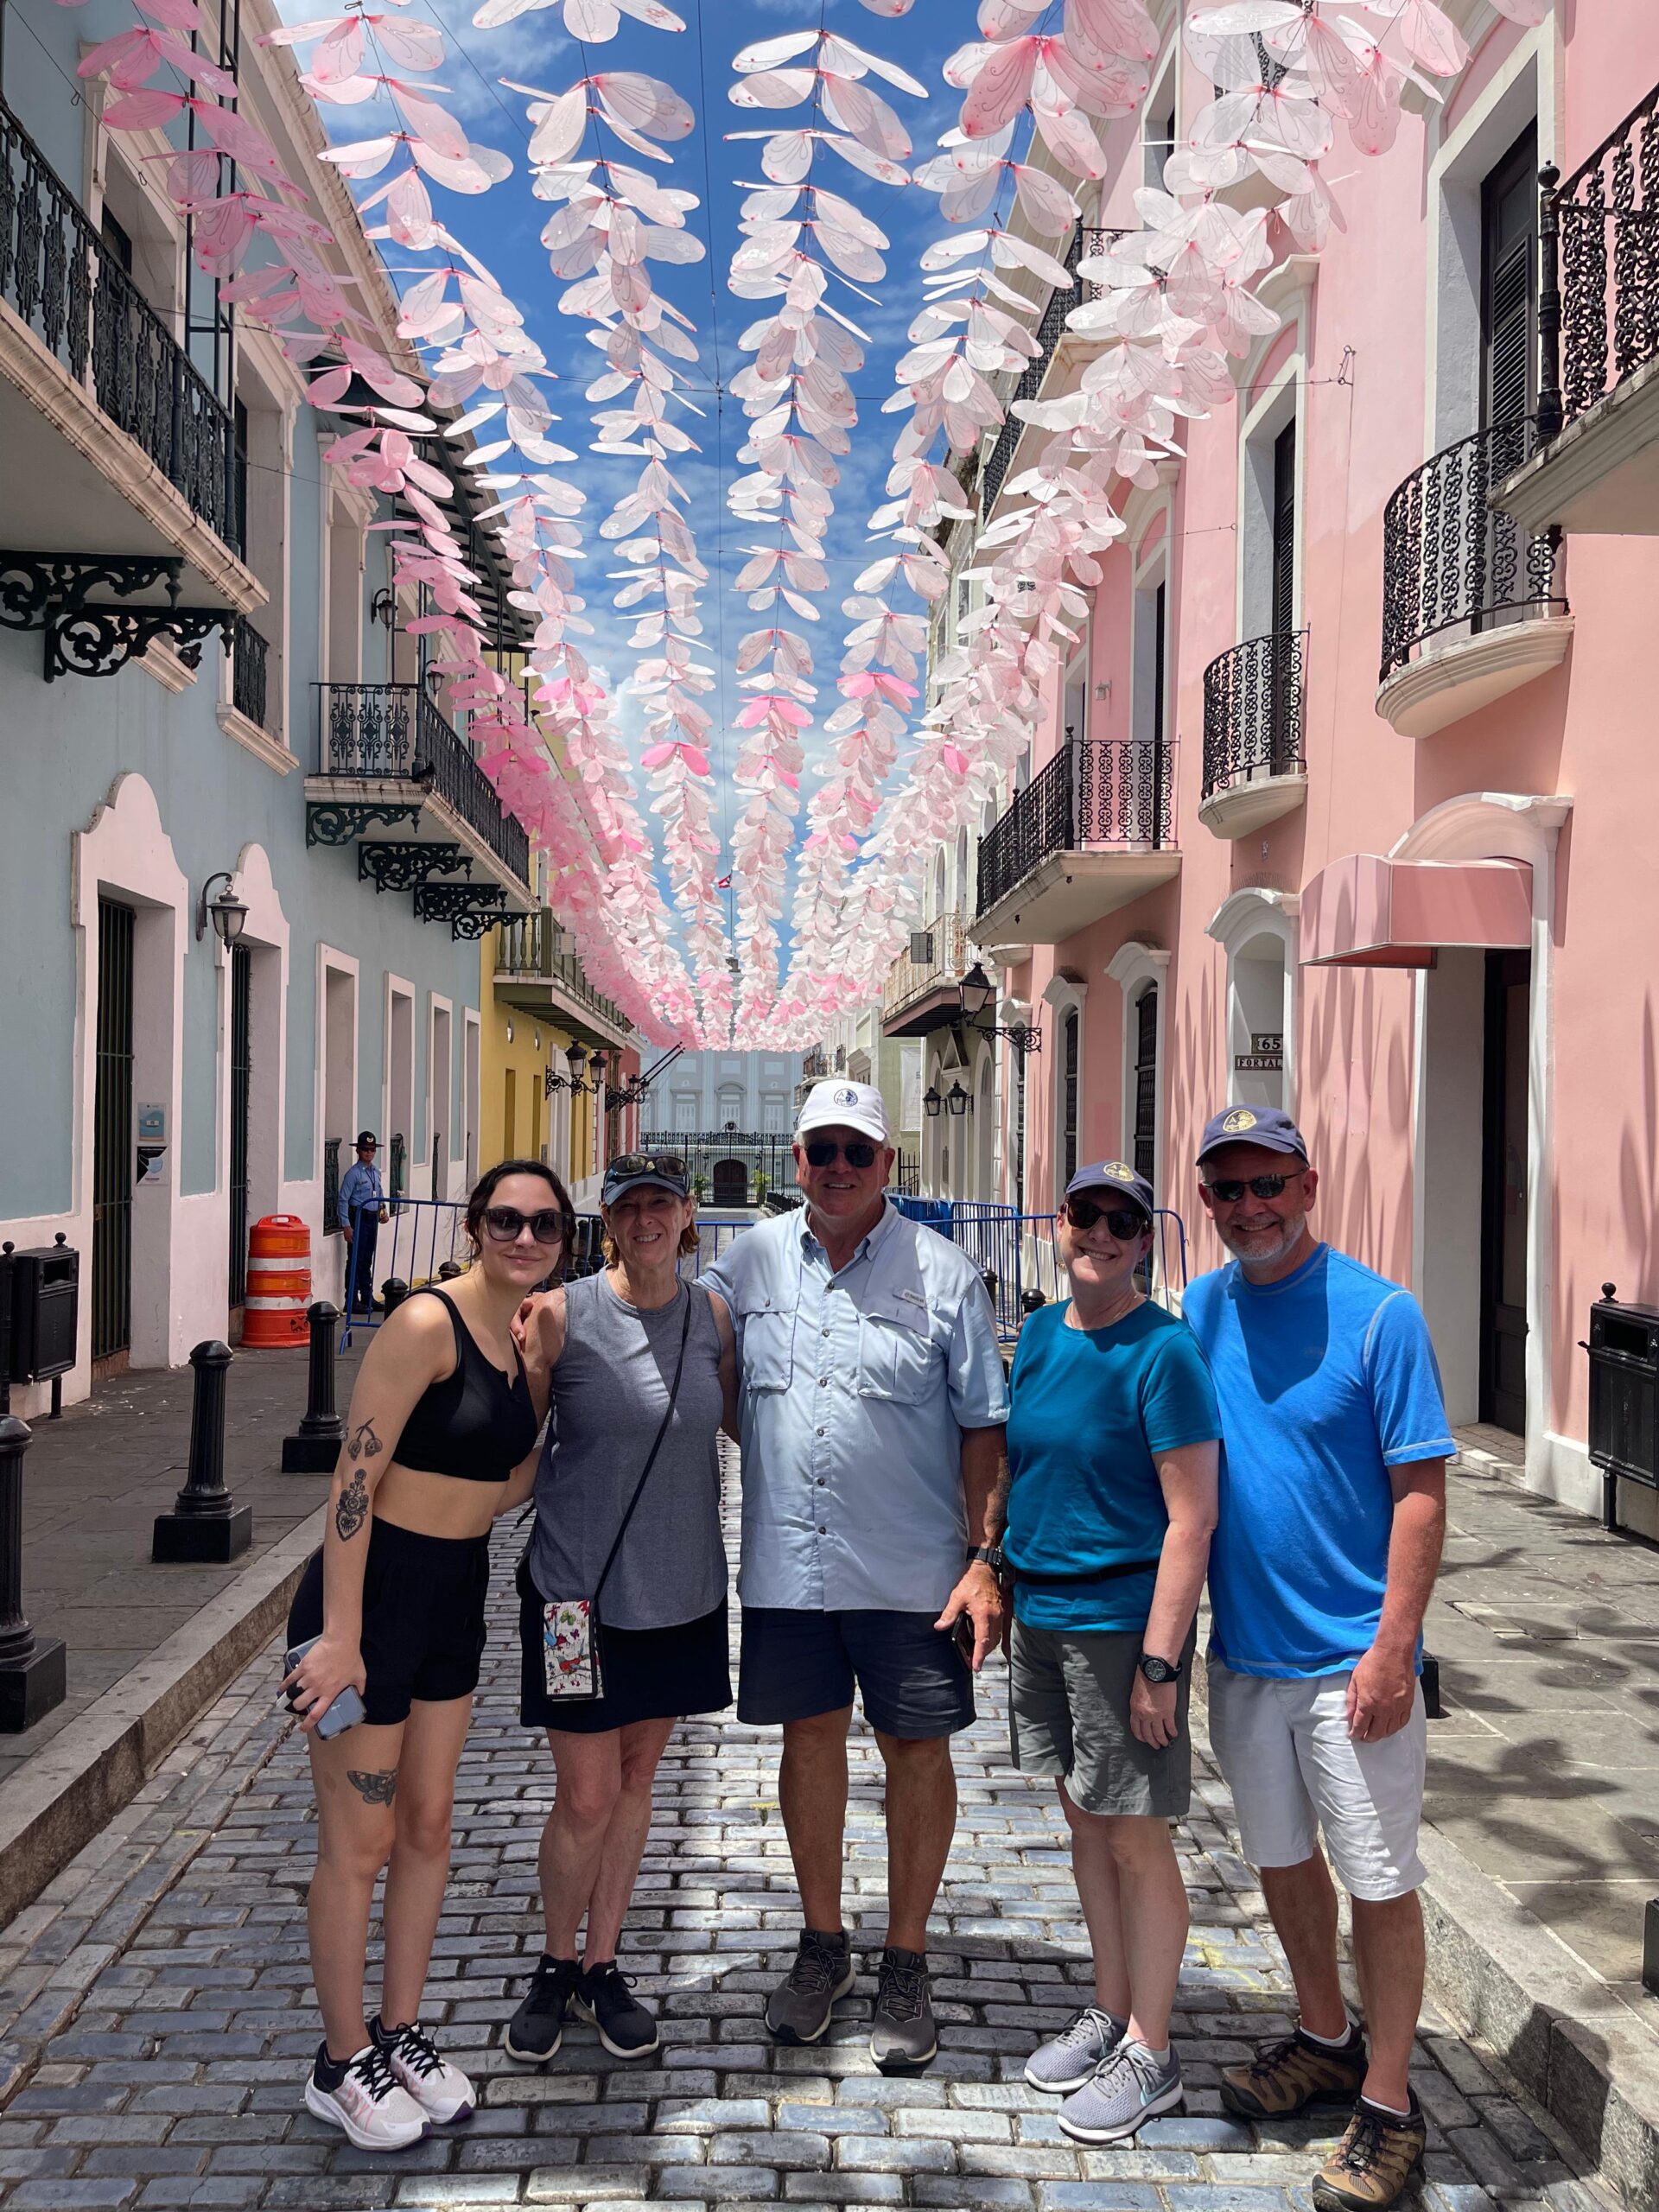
<point x="1284" y="529"/>
<point x="1509" y="316"/>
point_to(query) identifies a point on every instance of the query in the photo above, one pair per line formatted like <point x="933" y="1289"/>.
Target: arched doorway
<point x="730" y="1183"/>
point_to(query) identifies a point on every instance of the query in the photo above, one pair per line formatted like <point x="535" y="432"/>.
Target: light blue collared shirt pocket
<point x="766" y="1336"/>
<point x="897" y="1359"/>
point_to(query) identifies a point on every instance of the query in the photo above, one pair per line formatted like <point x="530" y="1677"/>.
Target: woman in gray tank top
<point x="608" y="1346"/>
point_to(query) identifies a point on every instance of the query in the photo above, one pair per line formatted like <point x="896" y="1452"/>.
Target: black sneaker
<point x="902" y="2032"/>
<point x="798" y="2010"/>
<point x="537" y="2029"/>
<point x="605" y="1996"/>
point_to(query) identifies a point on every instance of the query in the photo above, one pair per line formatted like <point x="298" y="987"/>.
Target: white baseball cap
<point x="840" y="1104"/>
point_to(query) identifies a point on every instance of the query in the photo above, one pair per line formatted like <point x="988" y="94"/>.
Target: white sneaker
<point x="366" y="2103"/>
<point x="442" y="2092"/>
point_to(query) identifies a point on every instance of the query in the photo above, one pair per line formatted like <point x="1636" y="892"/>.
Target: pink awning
<point x="1366" y="911"/>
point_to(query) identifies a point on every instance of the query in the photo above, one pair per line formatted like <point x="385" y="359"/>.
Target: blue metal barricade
<point x="1016" y="1254"/>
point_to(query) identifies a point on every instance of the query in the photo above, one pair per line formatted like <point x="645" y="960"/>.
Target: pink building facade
<point x="1349" y="800"/>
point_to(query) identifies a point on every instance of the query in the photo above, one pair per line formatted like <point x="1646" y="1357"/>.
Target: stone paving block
<point x="972" y="2193"/>
<point x="870" y="2154"/>
<point x="589" y="2185"/>
<point x="448" y="2190"/>
<point x="789" y="2150"/>
<point x="1232" y="2196"/>
<point x="1037" y="2161"/>
<point x="227" y="2194"/>
<point x="844" y="2188"/>
<point x="953" y="2126"/>
<point x="1097" y="2197"/>
<point x="46" y="2195"/>
<point x="719" y="2184"/>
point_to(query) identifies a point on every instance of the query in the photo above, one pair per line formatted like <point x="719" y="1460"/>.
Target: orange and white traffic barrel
<point x="279" y="1283"/>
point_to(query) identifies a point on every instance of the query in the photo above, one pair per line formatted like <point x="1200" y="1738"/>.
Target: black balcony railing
<point x="1598" y="304"/>
<point x="1096" y="791"/>
<point x="529" y="948"/>
<point x="1449" y="560"/>
<point x="58" y="276"/>
<point x="394" y="731"/>
<point x="1253" y="711"/>
<point x="1050" y="330"/>
<point x="249" y="689"/>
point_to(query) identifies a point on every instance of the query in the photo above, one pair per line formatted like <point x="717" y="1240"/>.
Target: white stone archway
<point x="1258" y="931"/>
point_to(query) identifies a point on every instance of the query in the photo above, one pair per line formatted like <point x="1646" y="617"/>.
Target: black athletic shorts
<point x="911" y="1679"/>
<point x="423" y="1631"/>
<point x="651" y="1673"/>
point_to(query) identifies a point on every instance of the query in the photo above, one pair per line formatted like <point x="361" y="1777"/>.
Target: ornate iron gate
<point x="241" y="1085"/>
<point x="113" y="1157"/>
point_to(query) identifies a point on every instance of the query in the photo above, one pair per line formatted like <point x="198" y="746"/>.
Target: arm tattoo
<point x="352" y="1508"/>
<point x="374" y="1789"/>
<point x="364" y="1443"/>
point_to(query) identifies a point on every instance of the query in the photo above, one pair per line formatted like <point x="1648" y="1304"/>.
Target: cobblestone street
<point x="160" y="2024"/>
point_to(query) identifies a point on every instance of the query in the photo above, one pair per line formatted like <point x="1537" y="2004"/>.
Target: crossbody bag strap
<point x="651" y="1461"/>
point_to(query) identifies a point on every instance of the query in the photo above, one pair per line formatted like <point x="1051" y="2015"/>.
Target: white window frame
<point x="1239" y="921"/>
<point x="1131" y="968"/>
<point x="1064" y="993"/>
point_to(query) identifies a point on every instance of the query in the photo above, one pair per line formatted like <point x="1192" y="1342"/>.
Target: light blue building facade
<point x="160" y="1090"/>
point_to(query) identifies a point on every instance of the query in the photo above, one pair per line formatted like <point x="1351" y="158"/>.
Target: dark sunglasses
<point x="1229" y="1189"/>
<point x="821" y="1152"/>
<point x="645" y="1163"/>
<point x="1122" y="1221"/>
<point x="506" y="1225"/>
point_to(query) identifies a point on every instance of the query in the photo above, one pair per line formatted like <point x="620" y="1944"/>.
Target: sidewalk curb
<point x="1568" y="2040"/>
<point x="80" y="1781"/>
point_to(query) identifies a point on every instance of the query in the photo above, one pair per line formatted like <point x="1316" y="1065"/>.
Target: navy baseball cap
<point x="663" y="1171"/>
<point x="1114" y="1176"/>
<point x="1268" y="1126"/>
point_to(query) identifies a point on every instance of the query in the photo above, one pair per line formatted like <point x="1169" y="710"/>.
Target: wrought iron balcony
<point x="1097" y="792"/>
<point x="918" y="996"/>
<point x="249" y="689"/>
<point x="58" y="276"/>
<point x="529" y="950"/>
<point x="1050" y="329"/>
<point x="393" y="733"/>
<point x="1604" y="216"/>
<point x="1253" y="697"/>
<point x="1451" y="564"/>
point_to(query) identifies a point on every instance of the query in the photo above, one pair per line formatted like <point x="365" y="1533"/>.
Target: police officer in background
<point x="361" y="1207"/>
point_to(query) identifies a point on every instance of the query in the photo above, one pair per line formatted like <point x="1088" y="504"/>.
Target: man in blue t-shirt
<point x="1332" y="1510"/>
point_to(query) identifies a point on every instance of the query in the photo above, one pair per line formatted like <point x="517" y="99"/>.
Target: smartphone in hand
<point x="347" y="1709"/>
<point x="965" y="1636"/>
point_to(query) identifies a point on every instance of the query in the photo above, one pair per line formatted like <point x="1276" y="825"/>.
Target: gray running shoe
<point x="1128" y="2089"/>
<point x="902" y="2032"/>
<point x="1068" y="2058"/>
<point x="798" y="2010"/>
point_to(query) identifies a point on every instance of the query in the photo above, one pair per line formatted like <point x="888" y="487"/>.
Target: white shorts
<point x="1295" y="1771"/>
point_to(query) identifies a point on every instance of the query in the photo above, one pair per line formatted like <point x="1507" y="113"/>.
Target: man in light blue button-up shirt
<point x="872" y="1404"/>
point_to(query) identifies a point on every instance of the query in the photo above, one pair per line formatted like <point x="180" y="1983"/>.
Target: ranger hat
<point x="1268" y="1126"/>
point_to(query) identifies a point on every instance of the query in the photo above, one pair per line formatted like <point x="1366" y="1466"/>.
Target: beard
<point x="1264" y="1247"/>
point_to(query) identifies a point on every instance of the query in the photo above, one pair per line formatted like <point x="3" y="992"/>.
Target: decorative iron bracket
<point x="469" y="908"/>
<point x="48" y="592"/>
<point x="329" y="822"/>
<point x="397" y="867"/>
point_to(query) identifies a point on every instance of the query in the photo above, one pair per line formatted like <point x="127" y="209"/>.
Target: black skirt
<point x="651" y="1673"/>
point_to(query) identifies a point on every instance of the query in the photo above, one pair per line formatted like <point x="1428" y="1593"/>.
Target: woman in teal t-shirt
<point x="1112" y="1451"/>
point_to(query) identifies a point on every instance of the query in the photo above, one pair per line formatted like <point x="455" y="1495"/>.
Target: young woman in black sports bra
<point x="441" y="1413"/>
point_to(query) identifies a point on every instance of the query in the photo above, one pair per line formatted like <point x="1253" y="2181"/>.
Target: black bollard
<point x="449" y="1269"/>
<point x="32" y="1668"/>
<point x="393" y="1292"/>
<point x="206" y="1525"/>
<point x="314" y="1446"/>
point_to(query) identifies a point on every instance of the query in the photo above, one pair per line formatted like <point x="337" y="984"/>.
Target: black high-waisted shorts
<point x="423" y="1631"/>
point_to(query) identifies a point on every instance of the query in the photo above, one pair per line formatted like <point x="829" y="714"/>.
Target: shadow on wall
<point x="1614" y="1225"/>
<point x="1356" y="1085"/>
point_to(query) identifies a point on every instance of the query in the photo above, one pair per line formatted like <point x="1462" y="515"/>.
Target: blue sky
<point x="502" y="228"/>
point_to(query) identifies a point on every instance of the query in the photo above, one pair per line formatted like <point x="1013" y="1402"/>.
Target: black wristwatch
<point x="988" y="1555"/>
<point x="1158" y="1670"/>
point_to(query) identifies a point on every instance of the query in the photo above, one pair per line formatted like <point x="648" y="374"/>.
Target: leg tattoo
<point x="374" y="1789"/>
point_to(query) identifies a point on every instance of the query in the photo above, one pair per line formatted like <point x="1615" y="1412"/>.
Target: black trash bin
<point x="40" y="1314"/>
<point x="1623" y="1351"/>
